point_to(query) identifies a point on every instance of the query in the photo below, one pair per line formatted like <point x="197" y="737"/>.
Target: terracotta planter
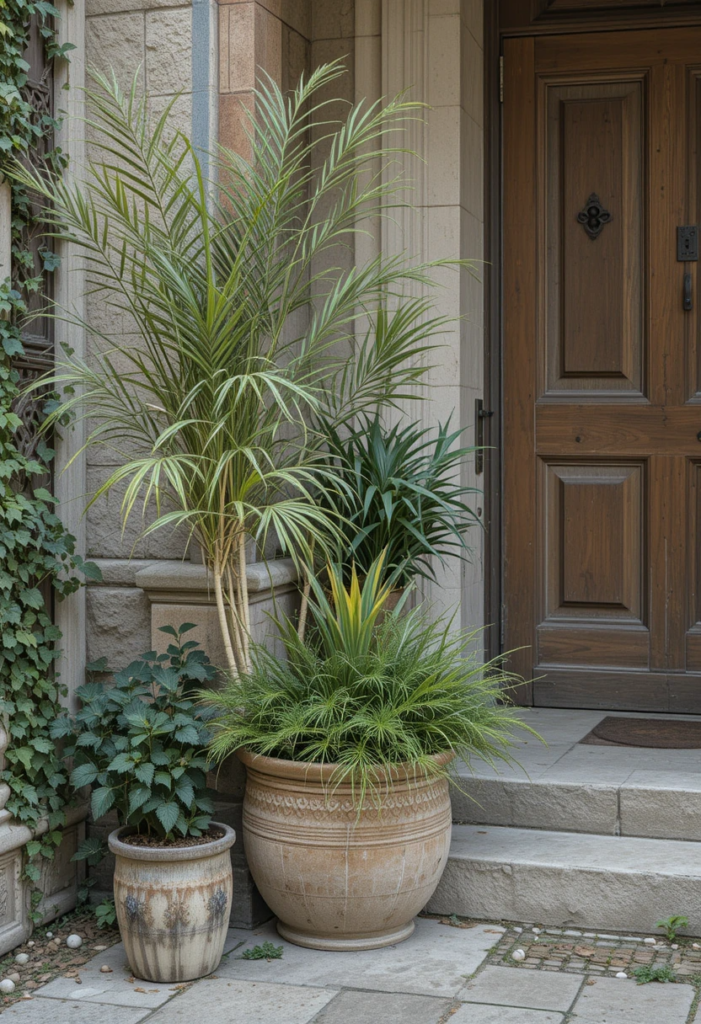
<point x="173" y="905"/>
<point x="334" y="879"/>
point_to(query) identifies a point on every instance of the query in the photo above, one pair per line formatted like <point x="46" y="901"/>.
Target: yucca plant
<point x="210" y="408"/>
<point x="369" y="689"/>
<point x="403" y="496"/>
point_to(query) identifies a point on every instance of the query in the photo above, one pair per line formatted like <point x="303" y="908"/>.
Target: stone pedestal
<point x="59" y="880"/>
<point x="180" y="592"/>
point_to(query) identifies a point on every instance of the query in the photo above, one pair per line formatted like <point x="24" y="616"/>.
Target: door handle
<point x="481" y="414"/>
<point x="688" y="300"/>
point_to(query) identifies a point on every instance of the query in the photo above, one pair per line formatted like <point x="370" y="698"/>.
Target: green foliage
<point x="36" y="555"/>
<point x="671" y="925"/>
<point x="106" y="914"/>
<point x="138" y="741"/>
<point x="644" y="975"/>
<point x="402" y="495"/>
<point x="266" y="951"/>
<point x="367" y="693"/>
<point x="21" y="129"/>
<point x="212" y="278"/>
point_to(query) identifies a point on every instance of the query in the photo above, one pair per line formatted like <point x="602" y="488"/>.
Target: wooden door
<point x="602" y="369"/>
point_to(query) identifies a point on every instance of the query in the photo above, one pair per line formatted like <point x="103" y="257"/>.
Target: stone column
<point x="432" y="50"/>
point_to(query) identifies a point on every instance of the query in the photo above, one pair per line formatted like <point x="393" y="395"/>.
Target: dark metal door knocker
<point x="594" y="216"/>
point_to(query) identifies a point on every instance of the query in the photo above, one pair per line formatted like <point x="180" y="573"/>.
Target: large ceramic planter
<point x="336" y="879"/>
<point x="173" y="905"/>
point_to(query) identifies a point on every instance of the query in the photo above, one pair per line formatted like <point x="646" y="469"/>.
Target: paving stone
<point x="613" y="1001"/>
<point x="507" y="986"/>
<point x="433" y="962"/>
<point x="475" y="1013"/>
<point x="113" y="989"/>
<point x="224" y="1000"/>
<point x="49" y="1011"/>
<point x="371" y="1007"/>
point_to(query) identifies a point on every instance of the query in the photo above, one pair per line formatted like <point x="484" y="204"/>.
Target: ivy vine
<point x="38" y="562"/>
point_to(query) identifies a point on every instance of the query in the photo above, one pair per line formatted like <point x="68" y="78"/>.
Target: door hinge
<point x="501" y="79"/>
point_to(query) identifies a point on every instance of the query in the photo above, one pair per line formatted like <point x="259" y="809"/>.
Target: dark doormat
<point x="646" y="732"/>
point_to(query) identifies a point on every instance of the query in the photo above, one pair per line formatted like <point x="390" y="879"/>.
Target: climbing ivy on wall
<point x="37" y="555"/>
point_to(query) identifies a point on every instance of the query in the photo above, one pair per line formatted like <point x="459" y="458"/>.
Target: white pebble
<point x="7" y="986"/>
<point x="74" y="941"/>
<point x="536" y="931"/>
<point x="621" y="974"/>
<point x="49" y="935"/>
<point x="518" y="954"/>
<point x="695" y="945"/>
<point x="675" y="946"/>
<point x="106" y="969"/>
<point x="649" y="942"/>
<point x="30" y="943"/>
<point x="518" y="930"/>
<point x="22" y="958"/>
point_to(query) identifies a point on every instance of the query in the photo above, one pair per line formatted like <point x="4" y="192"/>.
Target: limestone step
<point x="647" y="804"/>
<point x="570" y="879"/>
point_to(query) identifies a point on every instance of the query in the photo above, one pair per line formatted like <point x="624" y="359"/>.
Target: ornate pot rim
<point x="170" y="853"/>
<point x="308" y="771"/>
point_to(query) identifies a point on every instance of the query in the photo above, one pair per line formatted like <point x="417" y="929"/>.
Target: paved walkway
<point x="441" y="975"/>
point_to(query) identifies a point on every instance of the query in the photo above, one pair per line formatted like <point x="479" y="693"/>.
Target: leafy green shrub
<point x="672" y="925"/>
<point x="266" y="951"/>
<point x="402" y="496"/>
<point x="37" y="560"/>
<point x="105" y="914"/>
<point x="367" y="696"/>
<point x="644" y="975"/>
<point x="138" y="742"/>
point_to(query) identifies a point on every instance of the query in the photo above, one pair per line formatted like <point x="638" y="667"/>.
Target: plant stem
<point x="244" y="611"/>
<point x="223" y="624"/>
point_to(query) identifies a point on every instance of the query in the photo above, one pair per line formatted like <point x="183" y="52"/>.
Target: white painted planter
<point x="173" y="906"/>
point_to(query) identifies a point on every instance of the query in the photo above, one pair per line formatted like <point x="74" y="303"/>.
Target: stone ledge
<point x="176" y="582"/>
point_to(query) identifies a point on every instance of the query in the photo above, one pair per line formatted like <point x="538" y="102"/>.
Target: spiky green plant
<point x="368" y="690"/>
<point x="208" y="401"/>
<point x="403" y="496"/>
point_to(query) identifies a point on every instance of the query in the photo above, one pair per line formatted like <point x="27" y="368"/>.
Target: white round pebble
<point x="649" y="942"/>
<point x="30" y="943"/>
<point x="621" y="974"/>
<point x="536" y="931"/>
<point x="518" y="930"/>
<point x="74" y="941"/>
<point x="22" y="958"/>
<point x="7" y="986"/>
<point x="49" y="935"/>
<point x="675" y="946"/>
<point x="106" y="969"/>
<point x="518" y="954"/>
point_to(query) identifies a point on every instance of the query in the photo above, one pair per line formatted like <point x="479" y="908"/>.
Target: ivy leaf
<point x="102" y="801"/>
<point x="168" y="814"/>
<point x="145" y="773"/>
<point x="138" y="797"/>
<point x="83" y="775"/>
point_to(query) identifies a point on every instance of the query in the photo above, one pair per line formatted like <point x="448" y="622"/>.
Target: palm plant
<point x="367" y="693"/>
<point x="403" y="496"/>
<point x="210" y="408"/>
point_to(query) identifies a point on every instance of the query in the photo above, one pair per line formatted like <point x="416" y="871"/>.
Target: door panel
<point x="602" y="373"/>
<point x="595" y="133"/>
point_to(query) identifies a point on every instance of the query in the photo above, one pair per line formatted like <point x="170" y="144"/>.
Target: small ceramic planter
<point x="338" y="880"/>
<point x="173" y="905"/>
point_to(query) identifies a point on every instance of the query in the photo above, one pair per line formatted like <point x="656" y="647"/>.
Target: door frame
<point x="505" y="19"/>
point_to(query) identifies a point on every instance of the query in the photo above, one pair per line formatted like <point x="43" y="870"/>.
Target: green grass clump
<point x="368" y="693"/>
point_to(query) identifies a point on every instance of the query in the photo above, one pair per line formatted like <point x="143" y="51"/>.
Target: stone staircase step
<point x="570" y="879"/>
<point x="648" y="804"/>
